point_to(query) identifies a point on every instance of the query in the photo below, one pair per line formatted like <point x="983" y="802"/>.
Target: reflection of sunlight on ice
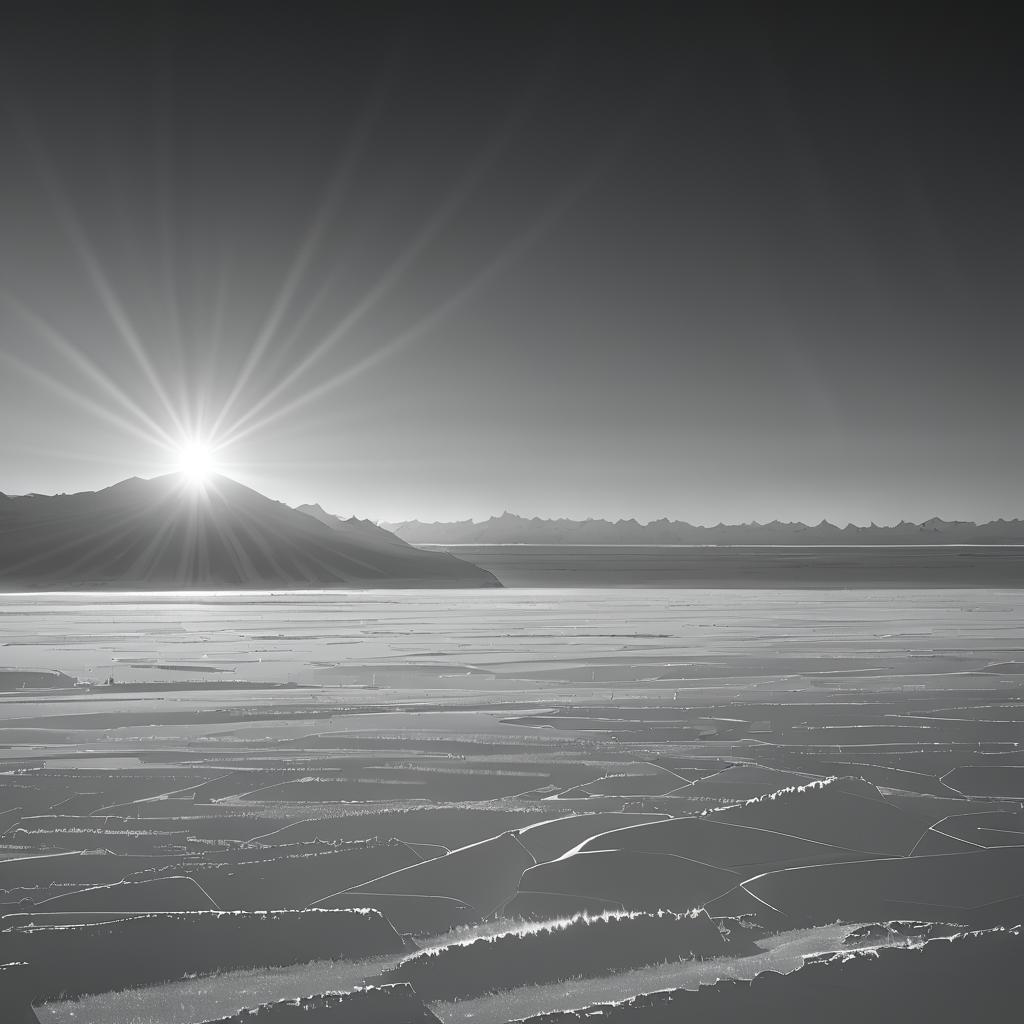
<point x="783" y="953"/>
<point x="209" y="997"/>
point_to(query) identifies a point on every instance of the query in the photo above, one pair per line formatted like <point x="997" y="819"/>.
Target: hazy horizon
<point x="346" y="512"/>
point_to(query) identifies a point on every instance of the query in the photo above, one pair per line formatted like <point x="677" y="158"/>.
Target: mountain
<point x="352" y="528"/>
<point x="168" y="533"/>
<point x="512" y="529"/>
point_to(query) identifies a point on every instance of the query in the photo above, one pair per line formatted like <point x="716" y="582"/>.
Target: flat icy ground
<point x="797" y="763"/>
<point x="739" y="565"/>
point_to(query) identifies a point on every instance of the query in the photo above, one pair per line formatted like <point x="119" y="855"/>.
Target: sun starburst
<point x="196" y="461"/>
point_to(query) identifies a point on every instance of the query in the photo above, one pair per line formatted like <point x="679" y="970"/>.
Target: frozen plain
<point x="505" y="710"/>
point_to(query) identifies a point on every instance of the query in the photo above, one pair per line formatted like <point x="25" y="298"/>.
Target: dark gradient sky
<point x="716" y="263"/>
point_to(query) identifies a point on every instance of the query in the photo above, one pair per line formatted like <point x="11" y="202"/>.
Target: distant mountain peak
<point x="352" y="526"/>
<point x="509" y="528"/>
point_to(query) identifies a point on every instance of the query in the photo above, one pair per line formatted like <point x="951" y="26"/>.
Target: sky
<point x="721" y="262"/>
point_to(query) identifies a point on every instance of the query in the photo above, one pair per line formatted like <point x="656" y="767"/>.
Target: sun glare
<point x="195" y="461"/>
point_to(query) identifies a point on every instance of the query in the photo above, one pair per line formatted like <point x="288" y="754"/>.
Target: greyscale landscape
<point x="720" y="721"/>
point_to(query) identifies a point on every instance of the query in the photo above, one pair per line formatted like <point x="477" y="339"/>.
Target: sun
<point x="196" y="462"/>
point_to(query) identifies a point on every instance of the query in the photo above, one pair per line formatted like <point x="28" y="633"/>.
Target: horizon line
<point x="567" y="520"/>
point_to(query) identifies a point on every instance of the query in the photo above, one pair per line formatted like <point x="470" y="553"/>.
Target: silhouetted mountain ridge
<point x="509" y="528"/>
<point x="168" y="533"/>
<point x="351" y="527"/>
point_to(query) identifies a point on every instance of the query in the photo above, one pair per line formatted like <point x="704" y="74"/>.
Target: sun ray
<point x="215" y="332"/>
<point x="71" y="225"/>
<point x="428" y="233"/>
<point x="82" y="401"/>
<point x="70" y="454"/>
<point x="322" y="219"/>
<point x="512" y="252"/>
<point x="160" y="541"/>
<point x="107" y="537"/>
<point x="167" y="249"/>
<point x="239" y="555"/>
<point x="612" y="151"/>
<point x="85" y="366"/>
